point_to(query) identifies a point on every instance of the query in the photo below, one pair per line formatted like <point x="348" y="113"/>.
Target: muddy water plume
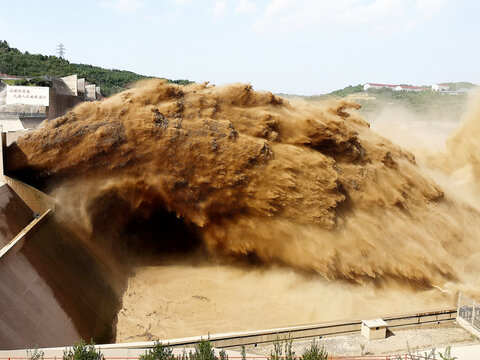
<point x="248" y="175"/>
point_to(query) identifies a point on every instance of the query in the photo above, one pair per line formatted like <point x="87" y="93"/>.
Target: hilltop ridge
<point x="111" y="81"/>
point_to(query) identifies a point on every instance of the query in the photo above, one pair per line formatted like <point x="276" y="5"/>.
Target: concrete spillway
<point x="14" y="214"/>
<point x="52" y="290"/>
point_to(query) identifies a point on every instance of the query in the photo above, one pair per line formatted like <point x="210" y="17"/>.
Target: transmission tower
<point x="61" y="51"/>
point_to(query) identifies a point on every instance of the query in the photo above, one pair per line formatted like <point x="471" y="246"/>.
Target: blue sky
<point x="289" y="46"/>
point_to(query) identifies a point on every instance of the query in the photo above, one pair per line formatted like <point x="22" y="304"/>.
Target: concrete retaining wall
<point x="60" y="104"/>
<point x="53" y="291"/>
<point x="226" y="340"/>
<point x="27" y="304"/>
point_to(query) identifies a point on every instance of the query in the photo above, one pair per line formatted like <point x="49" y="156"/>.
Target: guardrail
<point x="14" y="114"/>
<point x="311" y="331"/>
<point x="131" y="351"/>
<point x="333" y="357"/>
<point x="304" y="332"/>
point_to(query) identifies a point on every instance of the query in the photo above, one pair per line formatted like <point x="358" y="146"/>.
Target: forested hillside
<point x="111" y="81"/>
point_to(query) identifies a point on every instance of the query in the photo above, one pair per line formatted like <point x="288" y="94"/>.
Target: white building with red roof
<point x="377" y="86"/>
<point x="394" y="87"/>
<point x="440" y="87"/>
<point x="410" y="88"/>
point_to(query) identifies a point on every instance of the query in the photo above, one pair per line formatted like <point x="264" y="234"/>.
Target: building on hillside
<point x="24" y="107"/>
<point x="377" y="86"/>
<point x="440" y="87"/>
<point x="409" y="88"/>
<point x="394" y="87"/>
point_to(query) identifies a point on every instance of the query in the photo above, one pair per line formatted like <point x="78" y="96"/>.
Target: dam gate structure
<point x="53" y="291"/>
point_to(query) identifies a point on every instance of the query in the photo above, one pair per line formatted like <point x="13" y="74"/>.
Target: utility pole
<point x="61" y="51"/>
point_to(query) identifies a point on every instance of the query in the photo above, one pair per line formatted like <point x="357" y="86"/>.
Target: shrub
<point x="184" y="355"/>
<point x="203" y="351"/>
<point x="38" y="81"/>
<point x="289" y="353"/>
<point x="35" y="354"/>
<point x="22" y="82"/>
<point x="276" y="352"/>
<point x="158" y="352"/>
<point x="315" y="352"/>
<point x="447" y="354"/>
<point x="223" y="355"/>
<point x="83" y="351"/>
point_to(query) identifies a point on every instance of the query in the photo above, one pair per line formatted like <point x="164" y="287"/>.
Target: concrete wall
<point x="81" y="85"/>
<point x="53" y="289"/>
<point x="53" y="292"/>
<point x="11" y="124"/>
<point x="72" y="83"/>
<point x="29" y="312"/>
<point x="14" y="214"/>
<point x="60" y="104"/>
<point x="35" y="199"/>
<point x="90" y="92"/>
<point x="83" y="287"/>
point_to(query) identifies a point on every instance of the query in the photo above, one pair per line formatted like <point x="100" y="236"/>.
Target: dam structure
<point x="53" y="291"/>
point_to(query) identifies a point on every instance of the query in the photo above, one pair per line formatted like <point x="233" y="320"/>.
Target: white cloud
<point x="245" y="6"/>
<point x="173" y="14"/>
<point x="219" y="8"/>
<point x="379" y="15"/>
<point x="123" y="6"/>
<point x="180" y="2"/>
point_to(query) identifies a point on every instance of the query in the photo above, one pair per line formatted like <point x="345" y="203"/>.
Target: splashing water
<point x="249" y="176"/>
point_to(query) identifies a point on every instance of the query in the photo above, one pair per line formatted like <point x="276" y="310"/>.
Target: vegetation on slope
<point x="14" y="62"/>
<point x="435" y="105"/>
<point x="347" y="90"/>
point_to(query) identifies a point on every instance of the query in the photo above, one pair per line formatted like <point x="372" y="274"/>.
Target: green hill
<point x="436" y="105"/>
<point x="111" y="81"/>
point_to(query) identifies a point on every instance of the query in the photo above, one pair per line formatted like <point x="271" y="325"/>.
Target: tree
<point x="83" y="351"/>
<point x="158" y="352"/>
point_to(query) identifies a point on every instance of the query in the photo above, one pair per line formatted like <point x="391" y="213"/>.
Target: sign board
<point x="28" y="95"/>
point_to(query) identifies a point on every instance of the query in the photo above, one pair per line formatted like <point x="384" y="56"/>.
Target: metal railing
<point x="469" y="311"/>
<point x="332" y="357"/>
<point x="22" y="114"/>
